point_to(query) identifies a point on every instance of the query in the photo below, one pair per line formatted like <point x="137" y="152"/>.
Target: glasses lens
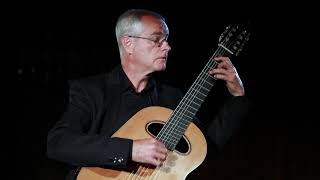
<point x="162" y="40"/>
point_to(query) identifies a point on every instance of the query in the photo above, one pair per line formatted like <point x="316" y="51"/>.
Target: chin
<point x="161" y="67"/>
<point x="160" y="64"/>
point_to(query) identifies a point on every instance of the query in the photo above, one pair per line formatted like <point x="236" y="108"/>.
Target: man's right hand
<point x="149" y="151"/>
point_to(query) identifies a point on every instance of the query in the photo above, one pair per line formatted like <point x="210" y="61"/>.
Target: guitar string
<point x="210" y="65"/>
<point x="224" y="48"/>
<point x="133" y="173"/>
<point x="141" y="170"/>
<point x="137" y="166"/>
<point x="157" y="173"/>
<point x="200" y="78"/>
<point x="204" y="72"/>
<point x="175" y="117"/>
<point x="178" y="109"/>
<point x="201" y="85"/>
<point x="144" y="171"/>
<point x="206" y="78"/>
<point x="185" y="102"/>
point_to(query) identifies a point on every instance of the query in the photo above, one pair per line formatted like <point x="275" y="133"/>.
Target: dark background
<point x="59" y="42"/>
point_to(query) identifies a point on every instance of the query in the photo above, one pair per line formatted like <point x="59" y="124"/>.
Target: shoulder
<point x="94" y="81"/>
<point x="97" y="84"/>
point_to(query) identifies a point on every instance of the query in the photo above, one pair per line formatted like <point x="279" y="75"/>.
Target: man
<point x="100" y="105"/>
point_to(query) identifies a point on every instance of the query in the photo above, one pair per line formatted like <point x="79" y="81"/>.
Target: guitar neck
<point x="186" y="110"/>
<point x="231" y="42"/>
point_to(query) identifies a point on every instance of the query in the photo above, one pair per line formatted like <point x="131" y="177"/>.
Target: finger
<point x="222" y="59"/>
<point x="224" y="62"/>
<point x="219" y="71"/>
<point x="156" y="161"/>
<point x="225" y="65"/>
<point x="160" y="156"/>
<point x="161" y="147"/>
<point x="221" y="76"/>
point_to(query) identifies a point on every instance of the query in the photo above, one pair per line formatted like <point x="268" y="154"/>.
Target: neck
<point x="138" y="78"/>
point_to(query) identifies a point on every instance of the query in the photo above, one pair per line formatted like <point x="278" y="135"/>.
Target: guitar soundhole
<point x="154" y="128"/>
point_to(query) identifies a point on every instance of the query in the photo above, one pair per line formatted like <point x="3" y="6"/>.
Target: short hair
<point x="130" y="22"/>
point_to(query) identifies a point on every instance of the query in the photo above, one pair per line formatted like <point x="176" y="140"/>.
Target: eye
<point x="157" y="39"/>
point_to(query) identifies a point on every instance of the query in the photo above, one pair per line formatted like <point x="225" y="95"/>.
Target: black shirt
<point x="100" y="105"/>
<point x="126" y="102"/>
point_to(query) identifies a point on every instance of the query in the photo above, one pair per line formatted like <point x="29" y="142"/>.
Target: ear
<point x="127" y="44"/>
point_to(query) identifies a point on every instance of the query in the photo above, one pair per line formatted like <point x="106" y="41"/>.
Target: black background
<point x="57" y="42"/>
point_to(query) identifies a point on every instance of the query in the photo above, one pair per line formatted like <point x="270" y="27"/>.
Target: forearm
<point x="228" y="119"/>
<point x="88" y="150"/>
<point x="76" y="140"/>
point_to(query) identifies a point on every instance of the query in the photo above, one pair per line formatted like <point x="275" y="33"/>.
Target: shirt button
<point x="115" y="160"/>
<point x="120" y="160"/>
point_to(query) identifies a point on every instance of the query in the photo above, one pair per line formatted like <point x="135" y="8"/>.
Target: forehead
<point x="154" y="26"/>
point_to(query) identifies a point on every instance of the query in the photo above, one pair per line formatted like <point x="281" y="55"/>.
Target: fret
<point x="204" y="95"/>
<point x="208" y="82"/>
<point x="192" y="107"/>
<point x="204" y="88"/>
<point x="194" y="97"/>
<point x="200" y="88"/>
<point x="177" y="126"/>
<point x="182" y="112"/>
<point x="175" y="134"/>
<point x="195" y="103"/>
<point x="183" y="115"/>
<point x="187" y="116"/>
<point x="210" y="76"/>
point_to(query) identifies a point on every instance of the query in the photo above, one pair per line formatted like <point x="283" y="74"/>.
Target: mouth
<point x="163" y="58"/>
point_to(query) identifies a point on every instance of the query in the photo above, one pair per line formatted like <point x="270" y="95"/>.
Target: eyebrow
<point x="159" y="33"/>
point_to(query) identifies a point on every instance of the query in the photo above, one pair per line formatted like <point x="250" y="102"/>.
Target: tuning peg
<point x="235" y="47"/>
<point x="237" y="53"/>
<point x="247" y="37"/>
<point x="224" y="32"/>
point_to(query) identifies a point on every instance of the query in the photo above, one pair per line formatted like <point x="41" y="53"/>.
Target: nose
<point x="165" y="46"/>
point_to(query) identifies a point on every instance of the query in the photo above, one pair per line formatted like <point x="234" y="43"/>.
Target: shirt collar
<point x="125" y="84"/>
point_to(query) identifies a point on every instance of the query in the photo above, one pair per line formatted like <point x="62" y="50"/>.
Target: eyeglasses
<point x="158" y="41"/>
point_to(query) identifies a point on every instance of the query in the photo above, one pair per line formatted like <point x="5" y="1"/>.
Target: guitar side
<point x="176" y="166"/>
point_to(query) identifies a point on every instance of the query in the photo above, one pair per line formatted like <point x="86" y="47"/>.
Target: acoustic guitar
<point x="184" y="140"/>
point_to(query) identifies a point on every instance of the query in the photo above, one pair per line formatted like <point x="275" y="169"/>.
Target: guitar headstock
<point x="233" y="39"/>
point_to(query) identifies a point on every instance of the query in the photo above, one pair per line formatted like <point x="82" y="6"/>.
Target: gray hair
<point x="130" y="23"/>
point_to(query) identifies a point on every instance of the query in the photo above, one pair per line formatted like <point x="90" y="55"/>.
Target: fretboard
<point x="180" y="119"/>
<point x="231" y="42"/>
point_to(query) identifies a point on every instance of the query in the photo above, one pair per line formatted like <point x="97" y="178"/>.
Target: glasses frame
<point x="157" y="42"/>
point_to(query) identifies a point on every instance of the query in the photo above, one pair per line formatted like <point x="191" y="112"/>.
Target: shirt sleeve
<point x="69" y="141"/>
<point x="228" y="118"/>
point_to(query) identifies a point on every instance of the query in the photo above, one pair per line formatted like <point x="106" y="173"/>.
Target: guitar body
<point x="178" y="164"/>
